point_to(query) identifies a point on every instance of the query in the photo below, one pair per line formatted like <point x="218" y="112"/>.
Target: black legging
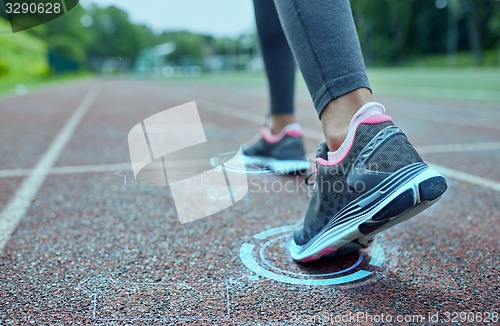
<point x="278" y="58"/>
<point x="324" y="42"/>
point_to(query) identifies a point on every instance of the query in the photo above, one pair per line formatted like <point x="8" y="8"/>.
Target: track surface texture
<point x="79" y="247"/>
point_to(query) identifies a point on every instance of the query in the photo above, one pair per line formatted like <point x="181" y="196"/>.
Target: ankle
<point x="336" y="126"/>
<point x="279" y="122"/>
<point x="337" y="115"/>
<point x="334" y="139"/>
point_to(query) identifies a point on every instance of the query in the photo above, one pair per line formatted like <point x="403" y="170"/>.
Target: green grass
<point x="21" y="54"/>
<point x="23" y="59"/>
<point x="23" y="62"/>
<point x="10" y="85"/>
<point x="481" y="84"/>
<point x="491" y="58"/>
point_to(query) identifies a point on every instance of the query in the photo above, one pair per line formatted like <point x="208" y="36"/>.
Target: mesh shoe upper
<point x="289" y="147"/>
<point x="377" y="151"/>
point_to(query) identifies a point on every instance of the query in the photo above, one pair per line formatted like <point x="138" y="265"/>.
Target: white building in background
<point x="153" y="62"/>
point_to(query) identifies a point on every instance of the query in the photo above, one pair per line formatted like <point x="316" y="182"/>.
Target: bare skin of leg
<point x="337" y="115"/>
<point x="280" y="121"/>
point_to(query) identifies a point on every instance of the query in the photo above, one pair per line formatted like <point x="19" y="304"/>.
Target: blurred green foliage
<point x="397" y="31"/>
<point x="392" y="32"/>
<point x="22" y="54"/>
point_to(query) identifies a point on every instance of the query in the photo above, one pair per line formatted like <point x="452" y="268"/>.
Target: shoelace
<point x="310" y="174"/>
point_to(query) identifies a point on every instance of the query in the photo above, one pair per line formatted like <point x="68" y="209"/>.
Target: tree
<point x="384" y="27"/>
<point x="190" y="48"/>
<point x="67" y="40"/>
<point x="113" y="35"/>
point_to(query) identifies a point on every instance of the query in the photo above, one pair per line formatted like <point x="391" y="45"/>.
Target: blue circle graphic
<point x="262" y="267"/>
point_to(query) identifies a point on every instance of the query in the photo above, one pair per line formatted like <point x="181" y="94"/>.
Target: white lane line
<point x="15" y="173"/>
<point x="470" y="178"/>
<point x="90" y="168"/>
<point x="82" y="169"/>
<point x="21" y="201"/>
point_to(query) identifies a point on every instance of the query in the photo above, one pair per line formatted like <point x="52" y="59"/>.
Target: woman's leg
<point x="325" y="44"/>
<point x="368" y="175"/>
<point x="279" y="64"/>
<point x="279" y="147"/>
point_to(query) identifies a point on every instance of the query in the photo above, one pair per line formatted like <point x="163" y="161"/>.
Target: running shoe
<point x="282" y="154"/>
<point x="374" y="181"/>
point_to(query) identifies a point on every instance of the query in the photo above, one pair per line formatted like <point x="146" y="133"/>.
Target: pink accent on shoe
<point x="326" y="251"/>
<point x="294" y="133"/>
<point x="324" y="162"/>
<point x="377" y="118"/>
<point x="370" y="113"/>
<point x="309" y="259"/>
<point x="269" y="137"/>
<point x="293" y="130"/>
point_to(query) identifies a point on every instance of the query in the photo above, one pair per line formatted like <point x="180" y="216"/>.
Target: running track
<point x="80" y="247"/>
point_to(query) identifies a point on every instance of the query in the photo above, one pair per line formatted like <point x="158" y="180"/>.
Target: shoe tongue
<point x="322" y="150"/>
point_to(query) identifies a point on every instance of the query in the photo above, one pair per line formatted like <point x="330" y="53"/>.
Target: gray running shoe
<point x="375" y="181"/>
<point x="282" y="154"/>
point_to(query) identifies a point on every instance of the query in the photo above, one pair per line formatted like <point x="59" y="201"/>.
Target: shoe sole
<point x="277" y="166"/>
<point x="397" y="199"/>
